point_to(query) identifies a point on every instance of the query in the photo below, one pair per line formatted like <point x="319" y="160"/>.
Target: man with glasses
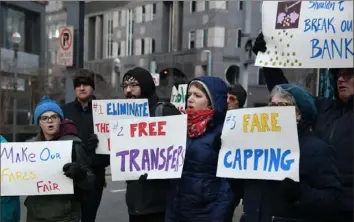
<point x="80" y="112"/>
<point x="334" y="124"/>
<point x="146" y="199"/>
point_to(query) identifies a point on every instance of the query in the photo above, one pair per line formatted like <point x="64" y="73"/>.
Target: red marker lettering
<point x="148" y="129"/>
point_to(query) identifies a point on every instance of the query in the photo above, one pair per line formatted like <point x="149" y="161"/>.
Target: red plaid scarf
<point x="198" y="120"/>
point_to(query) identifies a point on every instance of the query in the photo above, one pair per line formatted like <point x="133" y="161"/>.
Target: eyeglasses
<point x="48" y="118"/>
<point x="279" y="104"/>
<point x="345" y="75"/>
<point x="130" y="85"/>
<point x="232" y="98"/>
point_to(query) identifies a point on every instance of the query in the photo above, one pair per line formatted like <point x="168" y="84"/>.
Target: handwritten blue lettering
<point x="273" y="159"/>
<point x="319" y="24"/>
<point x="162" y="159"/>
<point x="332" y="49"/>
<point x="327" y="5"/>
<point x="131" y="109"/>
<point x="341" y="7"/>
<point x="346" y="26"/>
<point x="17" y="157"/>
<point x="46" y="155"/>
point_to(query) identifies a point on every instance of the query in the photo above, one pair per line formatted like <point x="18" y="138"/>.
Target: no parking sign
<point x="66" y="43"/>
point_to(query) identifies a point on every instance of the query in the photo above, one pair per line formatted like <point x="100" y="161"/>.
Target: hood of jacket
<point x="147" y="85"/>
<point x="333" y="81"/>
<point x="217" y="92"/>
<point x="2" y="139"/>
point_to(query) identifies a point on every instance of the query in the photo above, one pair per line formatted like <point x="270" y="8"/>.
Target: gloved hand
<point x="74" y="171"/>
<point x="259" y="45"/>
<point x="92" y="143"/>
<point x="143" y="177"/>
<point x="290" y="190"/>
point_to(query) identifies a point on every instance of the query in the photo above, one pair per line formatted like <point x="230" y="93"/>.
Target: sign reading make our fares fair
<point x="260" y="143"/>
<point x="307" y="34"/>
<point x="153" y="145"/>
<point x="35" y="168"/>
<point x="115" y="109"/>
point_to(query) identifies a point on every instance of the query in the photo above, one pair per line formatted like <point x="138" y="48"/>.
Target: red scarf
<point x="198" y="120"/>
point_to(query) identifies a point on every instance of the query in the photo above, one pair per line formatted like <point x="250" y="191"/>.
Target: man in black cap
<point x="146" y="199"/>
<point x="80" y="112"/>
<point x="236" y="97"/>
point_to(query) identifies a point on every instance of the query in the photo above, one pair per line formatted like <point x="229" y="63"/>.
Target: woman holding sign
<point x="61" y="208"/>
<point x="314" y="198"/>
<point x="199" y="195"/>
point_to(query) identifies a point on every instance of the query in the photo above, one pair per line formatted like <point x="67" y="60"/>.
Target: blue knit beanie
<point x="47" y="104"/>
<point x="304" y="101"/>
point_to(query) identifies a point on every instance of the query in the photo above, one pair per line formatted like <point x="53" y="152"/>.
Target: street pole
<point x="16" y="39"/>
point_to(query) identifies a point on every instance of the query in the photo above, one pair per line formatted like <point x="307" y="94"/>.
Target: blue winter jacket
<point x="10" y="206"/>
<point x="199" y="195"/>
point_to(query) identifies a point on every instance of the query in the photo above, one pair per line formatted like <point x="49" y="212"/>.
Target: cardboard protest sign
<point x="307" y="34"/>
<point x="105" y="110"/>
<point x="178" y="97"/>
<point x="35" y="168"/>
<point x="260" y="143"/>
<point x="153" y="145"/>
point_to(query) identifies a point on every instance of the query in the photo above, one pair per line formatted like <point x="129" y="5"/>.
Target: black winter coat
<point x="320" y="188"/>
<point x="334" y="124"/>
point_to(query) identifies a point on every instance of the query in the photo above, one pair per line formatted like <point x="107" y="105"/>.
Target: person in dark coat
<point x="333" y="124"/>
<point x="80" y="112"/>
<point x="236" y="97"/>
<point x="146" y="199"/>
<point x="60" y="208"/>
<point x="199" y="195"/>
<point x="315" y="197"/>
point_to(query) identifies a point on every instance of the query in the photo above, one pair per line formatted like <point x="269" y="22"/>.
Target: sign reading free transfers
<point x="105" y="110"/>
<point x="35" y="168"/>
<point x="260" y="143"/>
<point x="152" y="145"/>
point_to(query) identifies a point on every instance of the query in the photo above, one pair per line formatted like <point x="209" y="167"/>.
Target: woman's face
<point x="49" y="123"/>
<point x="197" y="99"/>
<point x="279" y="100"/>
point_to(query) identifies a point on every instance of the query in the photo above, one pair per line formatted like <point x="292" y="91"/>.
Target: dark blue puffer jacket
<point x="199" y="195"/>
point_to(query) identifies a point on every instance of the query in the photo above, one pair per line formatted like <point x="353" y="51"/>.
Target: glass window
<point x="205" y="38"/>
<point x="192" y="39"/>
<point x="14" y="22"/>
<point x="193" y="6"/>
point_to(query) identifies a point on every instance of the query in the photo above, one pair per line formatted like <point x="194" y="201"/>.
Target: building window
<point x="261" y="78"/>
<point x="119" y="50"/>
<point x="239" y="38"/>
<point x="143" y="14"/>
<point x="206" y="5"/>
<point x="152" y="45"/>
<point x="240" y="5"/>
<point x="193" y="6"/>
<point x="143" y="47"/>
<point x="154" y="9"/>
<point x="191" y="40"/>
<point x="205" y="38"/>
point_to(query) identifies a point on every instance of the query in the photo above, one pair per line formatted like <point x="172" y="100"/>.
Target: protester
<point x="10" y="206"/>
<point x="314" y="198"/>
<point x="80" y="112"/>
<point x="199" y="195"/>
<point x="334" y="124"/>
<point x="63" y="208"/>
<point x="236" y="97"/>
<point x="146" y="199"/>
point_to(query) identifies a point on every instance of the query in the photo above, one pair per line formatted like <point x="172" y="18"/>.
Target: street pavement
<point x="113" y="208"/>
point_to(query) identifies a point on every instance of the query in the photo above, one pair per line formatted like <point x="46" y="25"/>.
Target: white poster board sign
<point x="307" y="34"/>
<point x="114" y="109"/>
<point x="35" y="168"/>
<point x="153" y="145"/>
<point x="260" y="143"/>
<point x="178" y="97"/>
<point x="156" y="78"/>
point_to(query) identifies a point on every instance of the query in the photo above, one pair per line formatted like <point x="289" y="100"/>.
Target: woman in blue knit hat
<point x="60" y="208"/>
<point x="314" y="198"/>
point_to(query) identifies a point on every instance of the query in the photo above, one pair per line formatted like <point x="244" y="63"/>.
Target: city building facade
<point x="20" y="75"/>
<point x="174" y="38"/>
